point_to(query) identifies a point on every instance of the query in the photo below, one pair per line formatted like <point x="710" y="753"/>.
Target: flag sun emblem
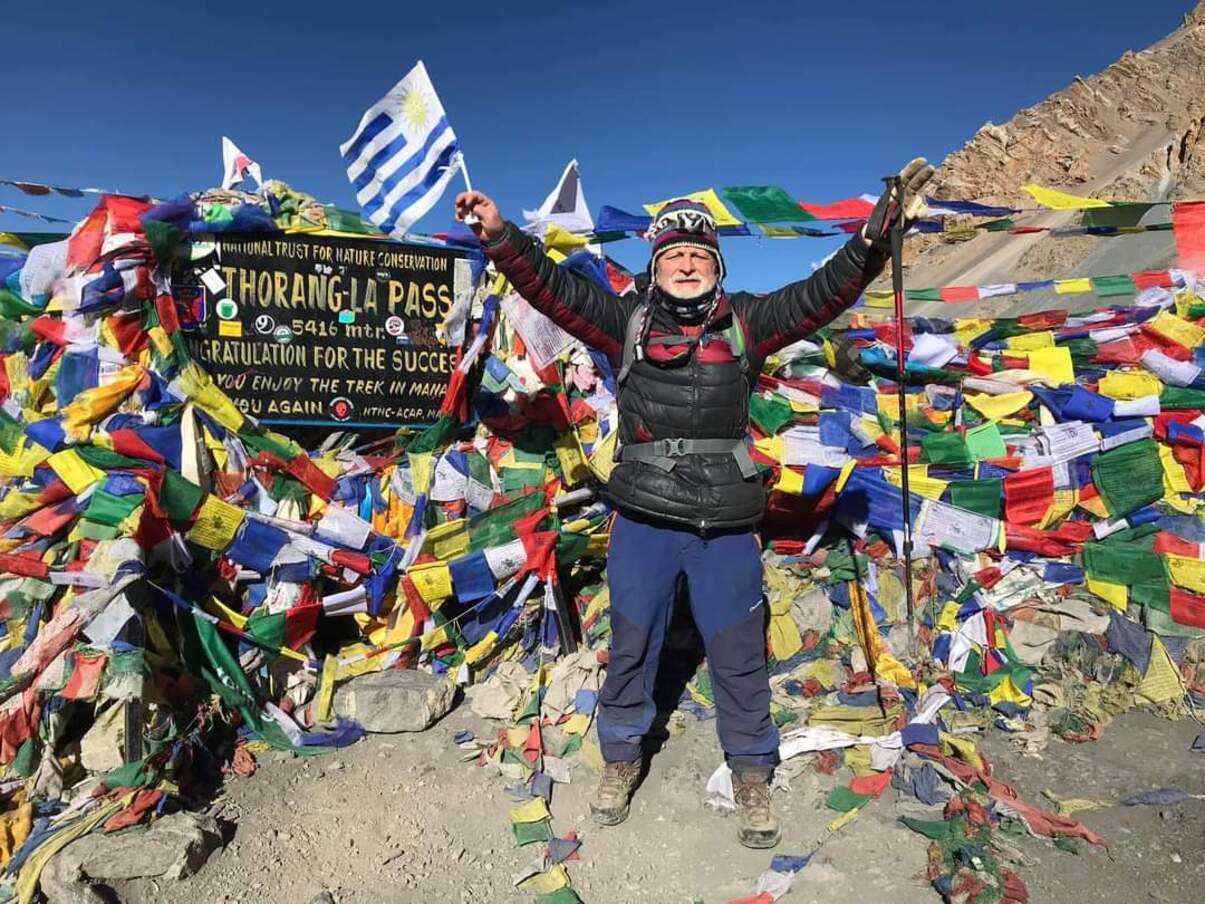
<point x="415" y="108"/>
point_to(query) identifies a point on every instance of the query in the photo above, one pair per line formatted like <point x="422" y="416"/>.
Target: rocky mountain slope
<point x="1135" y="131"/>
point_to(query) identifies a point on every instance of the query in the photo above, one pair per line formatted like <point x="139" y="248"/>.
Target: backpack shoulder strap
<point x="735" y="334"/>
<point x="632" y="352"/>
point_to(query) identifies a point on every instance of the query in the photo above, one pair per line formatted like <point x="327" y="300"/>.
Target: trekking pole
<point x="897" y="283"/>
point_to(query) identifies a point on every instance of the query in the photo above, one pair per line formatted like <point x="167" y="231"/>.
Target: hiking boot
<point x="612" y="799"/>
<point x="758" y="826"/>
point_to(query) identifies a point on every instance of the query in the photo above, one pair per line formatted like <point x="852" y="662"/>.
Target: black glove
<point x="913" y="178"/>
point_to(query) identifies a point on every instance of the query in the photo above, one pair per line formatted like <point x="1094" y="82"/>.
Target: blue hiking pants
<point x="724" y="578"/>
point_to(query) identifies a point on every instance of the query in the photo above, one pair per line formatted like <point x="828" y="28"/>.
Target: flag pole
<point x="897" y="283"/>
<point x="469" y="219"/>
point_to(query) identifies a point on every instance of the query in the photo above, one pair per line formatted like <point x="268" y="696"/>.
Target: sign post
<point x="318" y="330"/>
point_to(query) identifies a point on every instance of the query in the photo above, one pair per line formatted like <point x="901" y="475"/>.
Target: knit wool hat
<point x="683" y="222"/>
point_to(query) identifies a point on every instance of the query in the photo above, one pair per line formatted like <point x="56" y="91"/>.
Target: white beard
<point x="683" y="292"/>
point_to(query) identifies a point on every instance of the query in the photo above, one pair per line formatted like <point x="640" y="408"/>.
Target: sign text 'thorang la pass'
<point x="313" y="329"/>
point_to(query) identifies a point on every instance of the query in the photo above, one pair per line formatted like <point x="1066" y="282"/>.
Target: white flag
<point x="236" y="165"/>
<point x="565" y="207"/>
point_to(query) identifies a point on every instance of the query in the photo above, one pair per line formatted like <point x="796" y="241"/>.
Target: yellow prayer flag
<point x="560" y="239"/>
<point x="420" y="471"/>
<point x="449" y="540"/>
<point x="535" y="810"/>
<point x="1116" y="594"/>
<point x="1076" y="286"/>
<point x="1182" y="332"/>
<point x="785" y="641"/>
<point x="771" y="446"/>
<point x="73" y="470"/>
<point x="836" y="825"/>
<point x="1187" y="573"/>
<point x="1030" y="341"/>
<point x="602" y="457"/>
<point x="1059" y="200"/>
<point x="1008" y="692"/>
<point x="996" y="407"/>
<point x="878" y="298"/>
<point x="967" y="330"/>
<point x="547" y="882"/>
<point x="1118" y="384"/>
<point x="1175" y="480"/>
<point x="919" y="480"/>
<point x="846" y="470"/>
<point x="571" y="457"/>
<point x="16" y="370"/>
<point x="1054" y="363"/>
<point x="433" y="581"/>
<point x="1163" y="682"/>
<point x="201" y="389"/>
<point x="578" y="724"/>
<point x="790" y="481"/>
<point x="433" y="640"/>
<point x="709" y="198"/>
<point x="216" y="524"/>
<point x="481" y="648"/>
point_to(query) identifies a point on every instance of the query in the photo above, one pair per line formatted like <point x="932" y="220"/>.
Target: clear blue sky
<point x="654" y="99"/>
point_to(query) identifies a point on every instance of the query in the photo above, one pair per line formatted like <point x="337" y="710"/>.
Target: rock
<point x="323" y="897"/>
<point x="173" y="847"/>
<point x="395" y="700"/>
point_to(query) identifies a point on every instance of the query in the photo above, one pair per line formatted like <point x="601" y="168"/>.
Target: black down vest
<point x="705" y="395"/>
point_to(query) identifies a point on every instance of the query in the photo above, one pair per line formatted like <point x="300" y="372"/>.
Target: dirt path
<point x="402" y="818"/>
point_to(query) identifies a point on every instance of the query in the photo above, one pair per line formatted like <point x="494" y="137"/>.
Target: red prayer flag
<point x="849" y="209"/>
<point x="1187" y="608"/>
<point x="1028" y="495"/>
<point x="1188" y="225"/>
<point x="1151" y="279"/>
<point x="960" y="293"/>
<point x="85" y="676"/>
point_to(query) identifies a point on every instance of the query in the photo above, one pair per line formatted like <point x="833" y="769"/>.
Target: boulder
<point x="395" y="700"/>
<point x="172" y="848"/>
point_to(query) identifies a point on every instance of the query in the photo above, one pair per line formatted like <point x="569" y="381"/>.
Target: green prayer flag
<point x="106" y="508"/>
<point x="1107" y="286"/>
<point x="842" y="799"/>
<point x="436" y="436"/>
<point x="1121" y="563"/>
<point x="531" y="832"/>
<point x="90" y="530"/>
<point x="1116" y="214"/>
<point x="347" y="221"/>
<point x="922" y="294"/>
<point x="939" y="830"/>
<point x="220" y="669"/>
<point x="180" y="497"/>
<point x="1129" y="477"/>
<point x="107" y="459"/>
<point x="770" y="414"/>
<point x="11" y="432"/>
<point x="164" y="238"/>
<point x="1162" y="624"/>
<point x="765" y="204"/>
<point x="946" y="449"/>
<point x="1176" y="397"/>
<point x="560" y="896"/>
<point x="497" y="526"/>
<point x="982" y="496"/>
<point x="985" y="442"/>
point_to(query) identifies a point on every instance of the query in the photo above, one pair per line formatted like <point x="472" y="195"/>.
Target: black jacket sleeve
<point x="582" y="308"/>
<point x="799" y="309"/>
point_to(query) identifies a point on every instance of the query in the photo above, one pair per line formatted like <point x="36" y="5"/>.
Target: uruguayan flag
<point x="402" y="155"/>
